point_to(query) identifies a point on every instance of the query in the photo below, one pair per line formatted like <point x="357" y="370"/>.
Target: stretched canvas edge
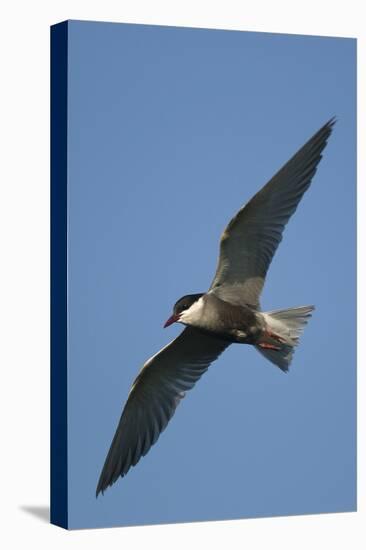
<point x="59" y="477"/>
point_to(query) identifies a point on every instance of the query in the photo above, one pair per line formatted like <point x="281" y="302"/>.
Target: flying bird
<point x="229" y="312"/>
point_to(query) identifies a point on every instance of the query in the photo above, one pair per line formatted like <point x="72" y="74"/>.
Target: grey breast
<point x="236" y="323"/>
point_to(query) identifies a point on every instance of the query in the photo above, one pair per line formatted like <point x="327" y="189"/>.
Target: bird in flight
<point x="229" y="312"/>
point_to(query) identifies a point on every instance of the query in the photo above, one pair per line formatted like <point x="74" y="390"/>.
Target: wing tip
<point x="101" y="487"/>
<point x="107" y="479"/>
<point x="324" y="132"/>
<point x="331" y="122"/>
<point x="318" y="141"/>
<point x="328" y="126"/>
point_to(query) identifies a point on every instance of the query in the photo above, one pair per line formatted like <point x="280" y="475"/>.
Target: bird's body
<point x="234" y="323"/>
<point x="229" y="312"/>
<point x="244" y="324"/>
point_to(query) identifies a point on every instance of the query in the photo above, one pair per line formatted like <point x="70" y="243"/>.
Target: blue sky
<point x="170" y="131"/>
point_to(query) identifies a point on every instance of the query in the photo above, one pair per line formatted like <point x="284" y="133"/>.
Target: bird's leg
<point x="275" y="336"/>
<point x="268" y="334"/>
<point x="264" y="345"/>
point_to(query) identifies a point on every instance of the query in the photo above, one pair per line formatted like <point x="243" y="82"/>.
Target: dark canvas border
<point x="59" y="64"/>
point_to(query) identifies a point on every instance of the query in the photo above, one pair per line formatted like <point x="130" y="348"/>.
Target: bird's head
<point x="182" y="306"/>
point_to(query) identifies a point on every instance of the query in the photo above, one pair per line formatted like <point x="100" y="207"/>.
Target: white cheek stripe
<point x="192" y="314"/>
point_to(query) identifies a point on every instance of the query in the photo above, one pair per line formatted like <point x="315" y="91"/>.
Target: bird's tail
<point x="287" y="325"/>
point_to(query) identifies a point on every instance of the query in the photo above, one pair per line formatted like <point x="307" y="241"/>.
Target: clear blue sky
<point x="170" y="132"/>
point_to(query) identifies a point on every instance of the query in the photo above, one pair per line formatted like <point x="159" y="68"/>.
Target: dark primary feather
<point x="251" y="238"/>
<point x="154" y="396"/>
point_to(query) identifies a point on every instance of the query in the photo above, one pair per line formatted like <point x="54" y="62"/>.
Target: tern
<point x="229" y="312"/>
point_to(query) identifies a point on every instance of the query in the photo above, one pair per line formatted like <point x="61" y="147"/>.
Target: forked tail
<point x="284" y="327"/>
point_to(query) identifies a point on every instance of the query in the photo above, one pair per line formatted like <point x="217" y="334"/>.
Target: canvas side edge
<point x="58" y="438"/>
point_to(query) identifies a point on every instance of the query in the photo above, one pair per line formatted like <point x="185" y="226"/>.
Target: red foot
<point x="268" y="346"/>
<point x="275" y="336"/>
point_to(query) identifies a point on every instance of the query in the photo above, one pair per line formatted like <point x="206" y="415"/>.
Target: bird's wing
<point x="251" y="238"/>
<point x="154" y="396"/>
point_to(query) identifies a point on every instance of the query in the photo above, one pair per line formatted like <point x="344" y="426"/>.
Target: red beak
<point x="171" y="320"/>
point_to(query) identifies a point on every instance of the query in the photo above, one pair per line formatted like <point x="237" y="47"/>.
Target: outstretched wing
<point x="251" y="238"/>
<point x="154" y="396"/>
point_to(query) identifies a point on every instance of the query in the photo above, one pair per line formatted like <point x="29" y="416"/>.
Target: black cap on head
<point x="185" y="302"/>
